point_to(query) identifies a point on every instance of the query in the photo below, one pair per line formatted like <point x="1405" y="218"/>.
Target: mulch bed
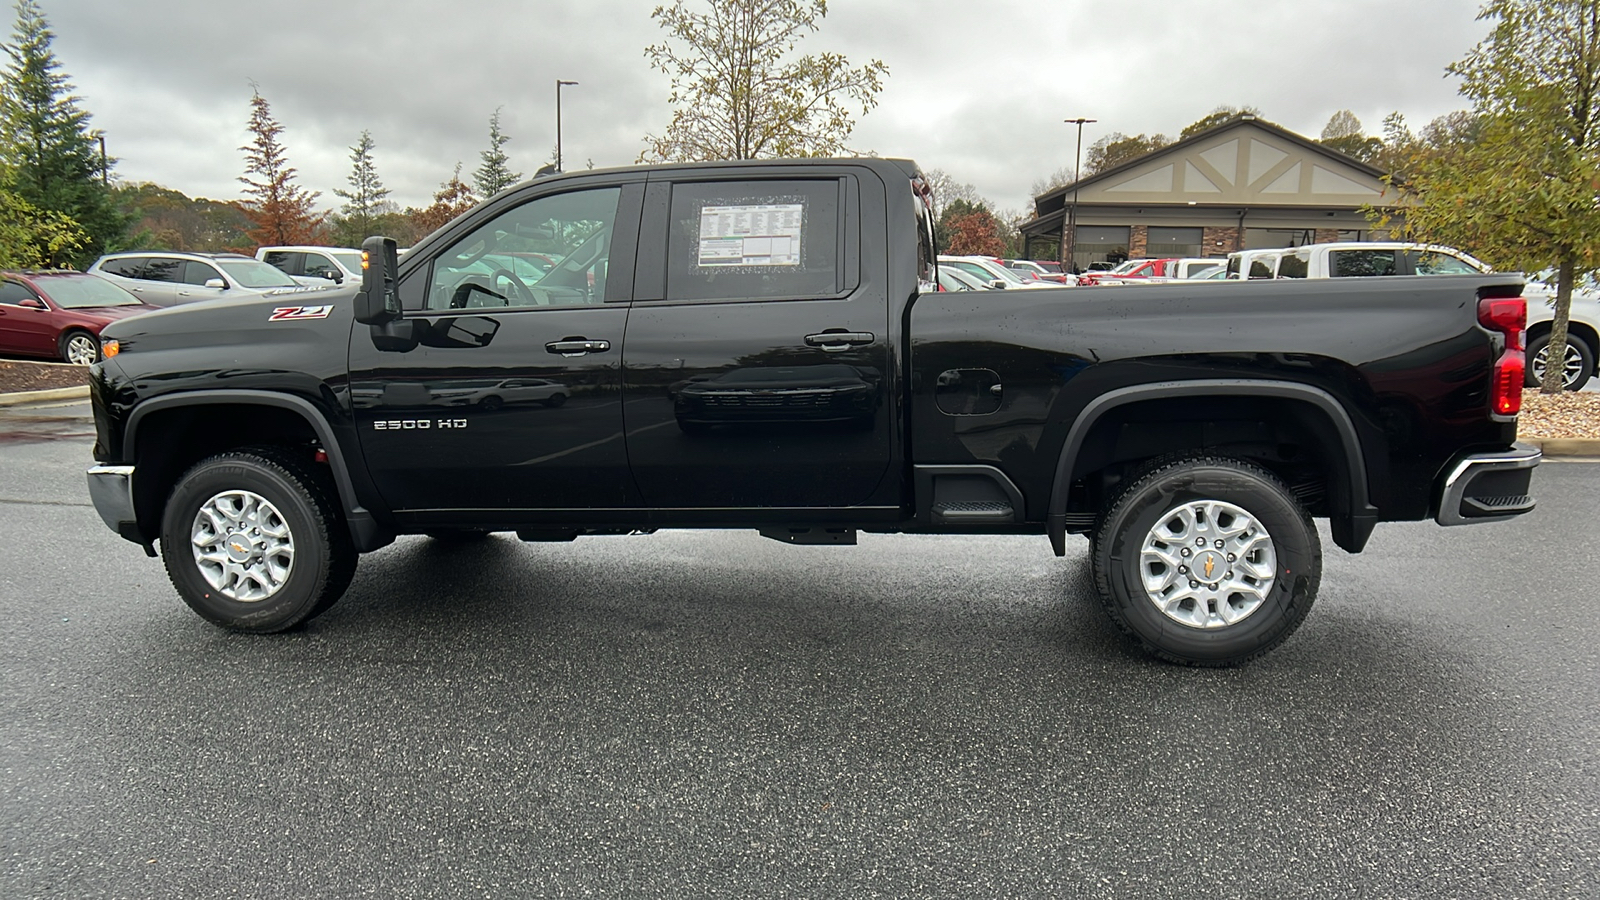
<point x="27" y="376"/>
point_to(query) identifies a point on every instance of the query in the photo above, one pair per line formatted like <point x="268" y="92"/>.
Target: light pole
<point x="1077" y="173"/>
<point x="559" y="85"/>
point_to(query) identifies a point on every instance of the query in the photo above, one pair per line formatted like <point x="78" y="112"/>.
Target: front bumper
<point x="111" y="489"/>
<point x="1488" y="487"/>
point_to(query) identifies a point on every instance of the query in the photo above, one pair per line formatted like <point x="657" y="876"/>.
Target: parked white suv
<point x="1368" y="258"/>
<point x="170" y="277"/>
<point x="311" y="265"/>
<point x="992" y="273"/>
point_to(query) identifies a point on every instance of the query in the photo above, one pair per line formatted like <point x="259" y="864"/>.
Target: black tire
<point x="324" y="558"/>
<point x="1574" y="344"/>
<point x="555" y="400"/>
<point x="64" y="344"/>
<point x="491" y="403"/>
<point x="1161" y="490"/>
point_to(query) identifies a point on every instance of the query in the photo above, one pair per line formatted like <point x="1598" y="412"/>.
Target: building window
<point x="1100" y="243"/>
<point x="1178" y="242"/>
<point x="1272" y="238"/>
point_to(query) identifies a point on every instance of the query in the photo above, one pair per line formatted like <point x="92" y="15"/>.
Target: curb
<point x="1565" y="447"/>
<point x="72" y="393"/>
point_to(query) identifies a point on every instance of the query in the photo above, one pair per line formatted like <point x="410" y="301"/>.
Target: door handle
<point x="836" y="341"/>
<point x="577" y="346"/>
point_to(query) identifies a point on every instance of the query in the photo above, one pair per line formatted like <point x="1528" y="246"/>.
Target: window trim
<point x="650" y="277"/>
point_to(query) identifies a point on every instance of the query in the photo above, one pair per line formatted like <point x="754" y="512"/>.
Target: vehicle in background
<point x="1583" y="328"/>
<point x="1042" y="271"/>
<point x="513" y="391"/>
<point x="954" y="279"/>
<point x="990" y="272"/>
<point x="1211" y="273"/>
<point x="59" y="314"/>
<point x="1345" y="259"/>
<point x="314" y="265"/>
<point x="171" y="277"/>
<point x="1152" y="270"/>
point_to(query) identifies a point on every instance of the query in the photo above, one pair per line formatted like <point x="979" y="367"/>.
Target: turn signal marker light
<point x="109" y="347"/>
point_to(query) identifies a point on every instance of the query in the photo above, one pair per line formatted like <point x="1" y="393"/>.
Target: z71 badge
<point x="284" y="313"/>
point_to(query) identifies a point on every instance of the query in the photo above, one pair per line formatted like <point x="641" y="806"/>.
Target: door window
<point x="552" y="251"/>
<point x="775" y="239"/>
<point x="13" y="293"/>
<point x="1360" y="263"/>
<point x="1261" y="267"/>
<point x="289" y="261"/>
<point x="319" y="266"/>
<point x="162" y="268"/>
<point x="198" y="273"/>
<point x="1433" y="262"/>
<point x="126" y="267"/>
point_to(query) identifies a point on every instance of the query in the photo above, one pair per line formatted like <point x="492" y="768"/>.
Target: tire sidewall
<point x="66" y="338"/>
<point x="1585" y="353"/>
<point x="1295" y="545"/>
<point x="296" y="599"/>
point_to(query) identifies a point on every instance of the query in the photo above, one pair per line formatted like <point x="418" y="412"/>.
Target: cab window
<point x="1361" y="263"/>
<point x="552" y="251"/>
<point x="754" y="239"/>
<point x="1433" y="262"/>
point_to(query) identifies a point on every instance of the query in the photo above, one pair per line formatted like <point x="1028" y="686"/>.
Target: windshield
<point x="1210" y="273"/>
<point x="255" y="274"/>
<point x="83" y="291"/>
<point x="350" y="261"/>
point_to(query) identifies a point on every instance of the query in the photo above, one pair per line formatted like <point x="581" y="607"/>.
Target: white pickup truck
<point x="315" y="265"/>
<point x="1370" y="258"/>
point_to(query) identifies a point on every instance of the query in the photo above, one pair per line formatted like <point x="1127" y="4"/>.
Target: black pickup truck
<point x="761" y="345"/>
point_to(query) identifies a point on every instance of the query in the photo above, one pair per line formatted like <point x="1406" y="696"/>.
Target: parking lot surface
<point x="714" y="714"/>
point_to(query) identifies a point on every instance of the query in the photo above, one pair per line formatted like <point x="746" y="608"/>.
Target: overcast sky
<point x="976" y="87"/>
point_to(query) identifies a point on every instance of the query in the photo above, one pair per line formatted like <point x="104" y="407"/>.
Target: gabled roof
<point x="1242" y="162"/>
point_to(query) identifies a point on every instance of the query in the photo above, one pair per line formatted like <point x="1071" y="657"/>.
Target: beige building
<point x="1244" y="184"/>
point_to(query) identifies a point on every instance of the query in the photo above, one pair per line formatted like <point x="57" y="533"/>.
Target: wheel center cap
<point x="1209" y="566"/>
<point x="240" y="547"/>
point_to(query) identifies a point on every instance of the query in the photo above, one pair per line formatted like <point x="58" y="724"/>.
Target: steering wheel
<point x="518" y="290"/>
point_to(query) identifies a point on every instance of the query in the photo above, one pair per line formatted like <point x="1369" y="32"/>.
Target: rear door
<point x="756" y="369"/>
<point x="151" y="279"/>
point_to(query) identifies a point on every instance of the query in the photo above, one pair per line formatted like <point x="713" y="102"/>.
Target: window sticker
<point x="761" y="235"/>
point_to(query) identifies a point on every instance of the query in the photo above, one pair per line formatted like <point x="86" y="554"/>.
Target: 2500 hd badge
<point x="416" y="424"/>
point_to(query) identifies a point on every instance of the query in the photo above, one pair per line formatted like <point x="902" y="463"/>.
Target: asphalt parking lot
<point x="714" y="714"/>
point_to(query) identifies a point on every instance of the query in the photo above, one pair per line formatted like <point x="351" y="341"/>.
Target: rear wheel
<point x="1577" y="369"/>
<point x="254" y="541"/>
<point x="79" y="348"/>
<point x="1207" y="561"/>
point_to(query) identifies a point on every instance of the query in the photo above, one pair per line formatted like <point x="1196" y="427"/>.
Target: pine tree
<point x="494" y="175"/>
<point x="281" y="211"/>
<point x="46" y="144"/>
<point x="364" y="202"/>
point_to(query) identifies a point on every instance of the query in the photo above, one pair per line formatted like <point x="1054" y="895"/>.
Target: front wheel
<point x="1207" y="561"/>
<point x="1577" y="369"/>
<point x="80" y="348"/>
<point x="254" y="541"/>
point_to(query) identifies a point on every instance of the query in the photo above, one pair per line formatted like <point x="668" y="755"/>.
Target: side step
<point x="977" y="512"/>
<point x="1497" y="506"/>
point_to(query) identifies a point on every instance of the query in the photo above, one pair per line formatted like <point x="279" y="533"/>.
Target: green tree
<point x="1117" y="148"/>
<point x="45" y="140"/>
<point x="367" y="198"/>
<point x="1219" y="116"/>
<point x="494" y="175"/>
<point x="739" y="93"/>
<point x="165" y="219"/>
<point x="280" y="211"/>
<point x="1526" y="193"/>
<point x="1344" y="134"/>
<point x="30" y="237"/>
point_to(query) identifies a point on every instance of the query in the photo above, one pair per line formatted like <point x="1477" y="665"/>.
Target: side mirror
<point x="216" y="283"/>
<point x="31" y="303"/>
<point x="333" y="276"/>
<point x="999" y="284"/>
<point x="379" y="298"/>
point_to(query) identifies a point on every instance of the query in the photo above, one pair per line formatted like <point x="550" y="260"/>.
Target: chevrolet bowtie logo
<point x="1211" y="563"/>
<point x="240" y="548"/>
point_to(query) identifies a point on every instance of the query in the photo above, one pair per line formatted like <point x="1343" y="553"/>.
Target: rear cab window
<point x="1361" y="263"/>
<point x="775" y="239"/>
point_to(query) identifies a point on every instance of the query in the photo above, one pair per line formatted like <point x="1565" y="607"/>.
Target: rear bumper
<point x="1488" y="487"/>
<point x="111" y="489"/>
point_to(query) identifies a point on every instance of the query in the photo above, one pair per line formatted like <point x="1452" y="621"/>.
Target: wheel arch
<point x="162" y="423"/>
<point x="1352" y="514"/>
<point x="1580" y="329"/>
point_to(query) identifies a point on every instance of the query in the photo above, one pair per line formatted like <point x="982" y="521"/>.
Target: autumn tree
<point x="495" y="174"/>
<point x="367" y="198"/>
<point x="165" y="219"/>
<point x="1061" y="177"/>
<point x="453" y="198"/>
<point x="51" y="155"/>
<point x="1117" y="148"/>
<point x="1219" y="116"/>
<point x="280" y="211"/>
<point x="738" y="90"/>
<point x="1525" y="192"/>
<point x="976" y="234"/>
<point x="1344" y="134"/>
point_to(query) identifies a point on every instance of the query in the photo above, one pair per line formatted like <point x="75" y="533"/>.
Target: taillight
<point x="1509" y="316"/>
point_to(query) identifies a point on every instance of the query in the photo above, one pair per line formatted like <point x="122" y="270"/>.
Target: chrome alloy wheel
<point x="1207" y="564"/>
<point x="1572" y="368"/>
<point x="242" y="545"/>
<point x="82" y="350"/>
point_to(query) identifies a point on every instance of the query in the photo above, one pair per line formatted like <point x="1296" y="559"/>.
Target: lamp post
<point x="559" y="85"/>
<point x="1077" y="166"/>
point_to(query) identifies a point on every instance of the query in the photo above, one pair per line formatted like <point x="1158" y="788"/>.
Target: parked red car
<point x="58" y="315"/>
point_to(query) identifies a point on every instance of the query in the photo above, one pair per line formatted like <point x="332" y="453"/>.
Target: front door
<point x="757" y="367"/>
<point x="510" y="401"/>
